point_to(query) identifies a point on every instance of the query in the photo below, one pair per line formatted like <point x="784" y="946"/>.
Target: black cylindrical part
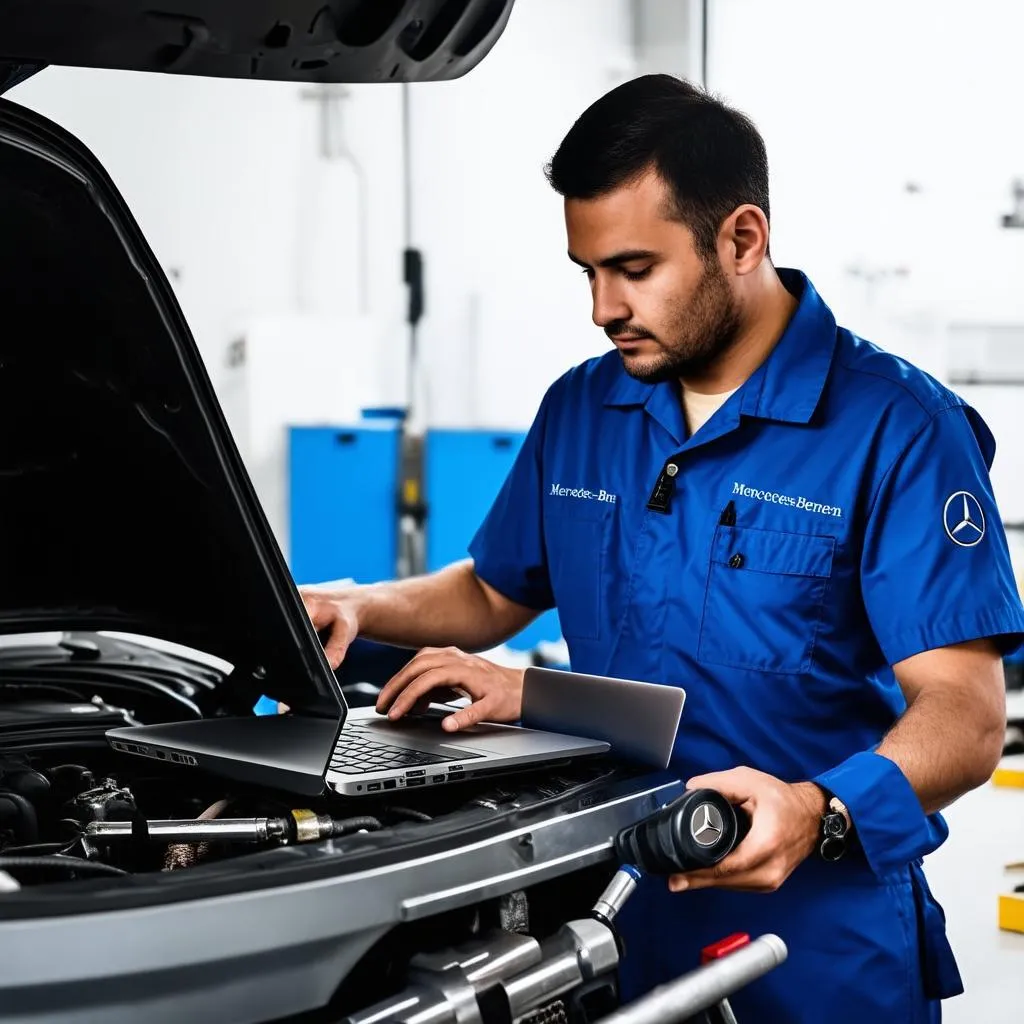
<point x="695" y="831"/>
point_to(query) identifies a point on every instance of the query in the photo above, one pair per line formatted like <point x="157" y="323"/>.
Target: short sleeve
<point x="508" y="549"/>
<point x="935" y="567"/>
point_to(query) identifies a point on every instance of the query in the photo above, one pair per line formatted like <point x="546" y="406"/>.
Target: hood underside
<point x="123" y="502"/>
<point x="283" y="40"/>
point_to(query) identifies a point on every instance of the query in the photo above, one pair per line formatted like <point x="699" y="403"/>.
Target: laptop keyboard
<point x="357" y="752"/>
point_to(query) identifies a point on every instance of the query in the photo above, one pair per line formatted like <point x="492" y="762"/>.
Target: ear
<point x="743" y="240"/>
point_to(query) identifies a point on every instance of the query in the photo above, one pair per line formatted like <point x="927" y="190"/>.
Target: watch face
<point x="834" y="825"/>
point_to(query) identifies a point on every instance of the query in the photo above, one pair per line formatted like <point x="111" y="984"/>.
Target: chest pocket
<point x="577" y="539"/>
<point x="765" y="594"/>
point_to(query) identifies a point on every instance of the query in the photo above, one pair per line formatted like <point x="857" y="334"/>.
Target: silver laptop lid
<point x="639" y="720"/>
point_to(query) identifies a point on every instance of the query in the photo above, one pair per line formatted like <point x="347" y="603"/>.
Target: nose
<point x="609" y="304"/>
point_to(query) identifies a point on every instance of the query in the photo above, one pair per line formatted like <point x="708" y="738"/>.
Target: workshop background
<point x="283" y="215"/>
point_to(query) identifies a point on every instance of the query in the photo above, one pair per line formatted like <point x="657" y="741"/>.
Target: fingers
<point x="328" y="615"/>
<point x="758" y="864"/>
<point x="439" y="696"/>
<point x="738" y="785"/>
<point x="763" y="879"/>
<point x="478" y="711"/>
<point x="320" y="612"/>
<point x="494" y="691"/>
<point x="433" y="679"/>
<point x="338" y="642"/>
<point x="429" y="658"/>
<point x="738" y="867"/>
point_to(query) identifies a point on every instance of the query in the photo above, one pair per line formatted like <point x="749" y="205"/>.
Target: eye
<point x="636" y="275"/>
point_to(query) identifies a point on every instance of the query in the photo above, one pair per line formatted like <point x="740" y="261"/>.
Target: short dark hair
<point x="711" y="156"/>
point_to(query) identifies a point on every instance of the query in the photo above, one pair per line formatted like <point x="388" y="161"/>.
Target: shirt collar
<point x="787" y="386"/>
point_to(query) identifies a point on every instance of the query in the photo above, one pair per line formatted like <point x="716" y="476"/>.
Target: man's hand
<point x="497" y="692"/>
<point x="335" y="612"/>
<point x="784" y="827"/>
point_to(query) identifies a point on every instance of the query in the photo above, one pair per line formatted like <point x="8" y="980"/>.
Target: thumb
<point x="734" y="784"/>
<point x="467" y="716"/>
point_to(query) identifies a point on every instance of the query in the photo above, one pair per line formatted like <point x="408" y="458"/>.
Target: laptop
<point x="183" y="552"/>
<point x="565" y="716"/>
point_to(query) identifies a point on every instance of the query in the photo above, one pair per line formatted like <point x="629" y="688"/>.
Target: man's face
<point x="668" y="310"/>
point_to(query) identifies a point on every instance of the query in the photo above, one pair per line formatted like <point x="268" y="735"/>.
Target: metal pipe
<point x="193" y="830"/>
<point x="619" y="889"/>
<point x="550" y="979"/>
<point x="705" y="987"/>
<point x="579" y="951"/>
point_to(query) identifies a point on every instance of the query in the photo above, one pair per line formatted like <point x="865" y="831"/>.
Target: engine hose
<point x="410" y="813"/>
<point x="183" y="855"/>
<point x="35" y="849"/>
<point x="19" y="815"/>
<point x="88" y="867"/>
<point x="343" y="826"/>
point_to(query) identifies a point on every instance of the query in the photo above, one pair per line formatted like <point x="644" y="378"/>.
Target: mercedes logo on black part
<point x="706" y="825"/>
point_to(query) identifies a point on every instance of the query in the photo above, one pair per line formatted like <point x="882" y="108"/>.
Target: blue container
<point x="343" y="492"/>
<point x="464" y="470"/>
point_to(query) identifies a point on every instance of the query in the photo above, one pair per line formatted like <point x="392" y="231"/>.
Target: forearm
<point x="946" y="743"/>
<point x="452" y="607"/>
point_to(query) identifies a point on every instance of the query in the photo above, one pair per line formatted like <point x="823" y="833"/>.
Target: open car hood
<point x="283" y="40"/>
<point x="124" y="503"/>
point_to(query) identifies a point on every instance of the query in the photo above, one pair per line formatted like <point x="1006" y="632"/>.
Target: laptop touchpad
<point x="486" y="738"/>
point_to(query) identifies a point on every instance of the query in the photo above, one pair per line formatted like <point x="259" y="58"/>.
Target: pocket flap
<point x="786" y="554"/>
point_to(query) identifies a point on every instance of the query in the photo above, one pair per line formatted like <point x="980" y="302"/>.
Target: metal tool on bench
<point x="506" y="978"/>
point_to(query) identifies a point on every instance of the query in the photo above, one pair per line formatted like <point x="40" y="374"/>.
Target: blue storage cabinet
<point x="343" y="493"/>
<point x="464" y="470"/>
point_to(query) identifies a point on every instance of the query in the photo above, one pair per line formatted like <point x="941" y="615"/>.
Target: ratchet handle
<point x="695" y="831"/>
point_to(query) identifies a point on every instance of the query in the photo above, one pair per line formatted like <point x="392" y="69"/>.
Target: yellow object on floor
<point x="1011" y="912"/>
<point x="1010" y="772"/>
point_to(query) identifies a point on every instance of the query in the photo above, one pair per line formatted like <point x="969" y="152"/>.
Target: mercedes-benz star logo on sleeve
<point x="964" y="519"/>
<point x="706" y="825"/>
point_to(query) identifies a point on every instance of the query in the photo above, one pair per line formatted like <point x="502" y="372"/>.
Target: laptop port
<point x="416" y="774"/>
<point x="390" y="784"/>
<point x="437" y="778"/>
<point x="371" y="786"/>
<point x="415" y="782"/>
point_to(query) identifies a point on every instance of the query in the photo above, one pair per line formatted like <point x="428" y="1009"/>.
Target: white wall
<point x="259" y="233"/>
<point x="508" y="312"/>
<point x="228" y="185"/>
<point x="855" y="103"/>
<point x="226" y="182"/>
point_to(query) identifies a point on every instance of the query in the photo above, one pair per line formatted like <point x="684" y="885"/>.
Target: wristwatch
<point x="835" y="827"/>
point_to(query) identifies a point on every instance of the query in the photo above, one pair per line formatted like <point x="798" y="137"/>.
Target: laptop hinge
<point x="245" y="685"/>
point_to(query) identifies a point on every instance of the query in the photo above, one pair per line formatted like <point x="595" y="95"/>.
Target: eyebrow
<point x="629" y="256"/>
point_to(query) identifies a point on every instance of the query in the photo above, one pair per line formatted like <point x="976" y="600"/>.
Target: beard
<point x="697" y="335"/>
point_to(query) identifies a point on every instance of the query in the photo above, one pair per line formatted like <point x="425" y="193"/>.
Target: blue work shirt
<point x="834" y="517"/>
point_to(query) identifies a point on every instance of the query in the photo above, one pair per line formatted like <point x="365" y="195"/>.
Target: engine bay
<point x="498" y="893"/>
<point x="72" y="808"/>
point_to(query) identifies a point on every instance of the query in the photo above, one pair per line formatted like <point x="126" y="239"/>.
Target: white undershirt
<point x="700" y="408"/>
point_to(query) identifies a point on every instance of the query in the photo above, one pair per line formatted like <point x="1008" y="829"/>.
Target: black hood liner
<point x="14" y="74"/>
<point x="283" y="40"/>
<point x="123" y="501"/>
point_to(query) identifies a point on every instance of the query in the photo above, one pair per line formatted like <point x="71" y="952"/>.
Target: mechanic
<point x="747" y="501"/>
